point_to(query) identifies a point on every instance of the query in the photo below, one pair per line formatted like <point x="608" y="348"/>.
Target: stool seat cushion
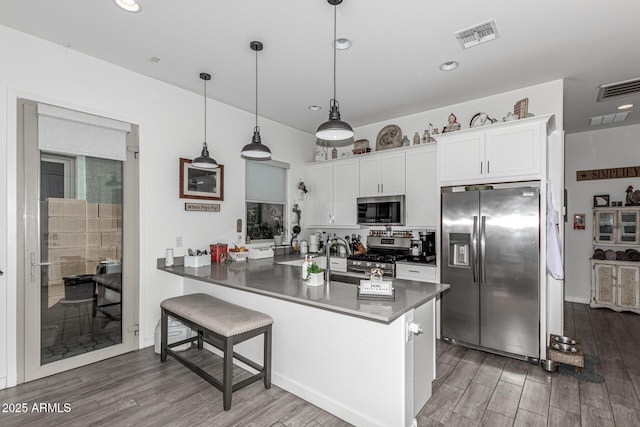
<point x="216" y="315"/>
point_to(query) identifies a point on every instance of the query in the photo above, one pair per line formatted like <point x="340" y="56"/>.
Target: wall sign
<point x="611" y="173"/>
<point x="202" y="207"/>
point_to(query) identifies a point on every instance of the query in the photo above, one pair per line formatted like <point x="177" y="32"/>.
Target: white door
<point x="345" y="192"/>
<point x="513" y="152"/>
<point x="392" y="174"/>
<point x="320" y="179"/>
<point x="80" y="256"/>
<point x="461" y="159"/>
<point x="369" y="177"/>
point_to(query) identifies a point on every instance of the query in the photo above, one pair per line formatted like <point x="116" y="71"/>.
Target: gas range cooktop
<point x="372" y="257"/>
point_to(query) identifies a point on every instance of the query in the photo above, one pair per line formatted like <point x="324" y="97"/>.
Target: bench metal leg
<point x="267" y="358"/>
<point x="227" y="376"/>
<point x="164" y="335"/>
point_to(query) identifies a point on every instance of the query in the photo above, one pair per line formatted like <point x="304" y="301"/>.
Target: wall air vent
<point x="608" y="119"/>
<point x="477" y="34"/>
<point x="616" y="90"/>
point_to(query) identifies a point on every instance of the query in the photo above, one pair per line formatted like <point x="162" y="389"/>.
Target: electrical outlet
<point x="179" y="242"/>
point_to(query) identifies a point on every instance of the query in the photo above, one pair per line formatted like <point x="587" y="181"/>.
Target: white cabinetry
<point x="616" y="283"/>
<point x="382" y="174"/>
<point x="333" y="190"/>
<point x="616" y="226"/>
<point x="491" y="154"/>
<point x="422" y="205"/>
<point x="413" y="271"/>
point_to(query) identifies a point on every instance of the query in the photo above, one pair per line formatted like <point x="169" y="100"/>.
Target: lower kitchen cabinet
<point x="615" y="285"/>
<point x="413" y="271"/>
<point x="338" y="264"/>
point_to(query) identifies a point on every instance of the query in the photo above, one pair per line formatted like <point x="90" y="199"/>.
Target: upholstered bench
<point x="222" y="325"/>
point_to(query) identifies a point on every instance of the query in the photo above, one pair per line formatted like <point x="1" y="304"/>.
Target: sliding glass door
<point x="80" y="295"/>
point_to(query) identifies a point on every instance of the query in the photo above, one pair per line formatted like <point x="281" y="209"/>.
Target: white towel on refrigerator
<point x="554" y="253"/>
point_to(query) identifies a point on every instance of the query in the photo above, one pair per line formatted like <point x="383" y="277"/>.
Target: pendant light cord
<point x="256" y="88"/>
<point x="335" y="14"/>
<point x="205" y="112"/>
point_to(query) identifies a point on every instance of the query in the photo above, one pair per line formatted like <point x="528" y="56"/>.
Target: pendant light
<point x="255" y="150"/>
<point x="204" y="161"/>
<point x="334" y="129"/>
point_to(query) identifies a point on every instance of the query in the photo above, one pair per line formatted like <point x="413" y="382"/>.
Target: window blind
<point x="266" y="182"/>
<point x="65" y="131"/>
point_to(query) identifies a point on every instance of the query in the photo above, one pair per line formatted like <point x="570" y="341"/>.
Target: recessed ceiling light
<point x="449" y="65"/>
<point x="625" y="106"/>
<point x="314" y="107"/>
<point x="128" y="5"/>
<point x="154" y="59"/>
<point x="342" y="43"/>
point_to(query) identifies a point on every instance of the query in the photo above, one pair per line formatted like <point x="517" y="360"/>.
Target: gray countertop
<point x="267" y="277"/>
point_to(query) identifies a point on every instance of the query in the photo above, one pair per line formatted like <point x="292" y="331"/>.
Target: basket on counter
<point x="238" y="256"/>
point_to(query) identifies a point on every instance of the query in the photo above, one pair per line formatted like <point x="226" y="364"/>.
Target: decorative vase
<point x="277" y="239"/>
<point x="316" y="279"/>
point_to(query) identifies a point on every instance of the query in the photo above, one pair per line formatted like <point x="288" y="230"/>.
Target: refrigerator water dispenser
<point x="459" y="249"/>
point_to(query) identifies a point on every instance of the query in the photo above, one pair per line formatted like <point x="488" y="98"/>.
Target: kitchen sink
<point x="353" y="278"/>
<point x="321" y="261"/>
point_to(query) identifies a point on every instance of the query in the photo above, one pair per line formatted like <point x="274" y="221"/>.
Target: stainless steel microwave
<point x="383" y="210"/>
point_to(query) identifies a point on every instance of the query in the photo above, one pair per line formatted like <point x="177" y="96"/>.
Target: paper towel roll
<point x="168" y="258"/>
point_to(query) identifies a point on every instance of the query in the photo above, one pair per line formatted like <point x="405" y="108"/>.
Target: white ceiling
<point x="392" y="68"/>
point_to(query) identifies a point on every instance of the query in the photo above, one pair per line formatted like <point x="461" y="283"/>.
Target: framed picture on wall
<point x="601" y="201"/>
<point x="200" y="183"/>
<point x="578" y="221"/>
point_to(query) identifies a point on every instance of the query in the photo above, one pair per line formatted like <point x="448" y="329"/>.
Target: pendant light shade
<point x="255" y="150"/>
<point x="203" y="160"/>
<point x="334" y="129"/>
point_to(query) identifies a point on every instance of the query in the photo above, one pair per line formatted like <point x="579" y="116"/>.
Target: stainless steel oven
<point x="383" y="252"/>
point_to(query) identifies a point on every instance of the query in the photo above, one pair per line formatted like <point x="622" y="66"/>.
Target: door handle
<point x="35" y="264"/>
<point x="382" y="188"/>
<point x="474" y="250"/>
<point x="483" y="274"/>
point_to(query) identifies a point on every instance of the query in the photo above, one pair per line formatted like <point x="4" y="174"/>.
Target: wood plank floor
<point x="472" y="388"/>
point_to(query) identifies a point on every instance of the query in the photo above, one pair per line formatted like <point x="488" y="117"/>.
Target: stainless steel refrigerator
<point x="490" y="257"/>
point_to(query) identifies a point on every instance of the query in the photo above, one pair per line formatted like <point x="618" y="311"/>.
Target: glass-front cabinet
<point x="616" y="226"/>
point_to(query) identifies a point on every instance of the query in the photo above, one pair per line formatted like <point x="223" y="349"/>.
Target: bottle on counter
<point x="305" y="267"/>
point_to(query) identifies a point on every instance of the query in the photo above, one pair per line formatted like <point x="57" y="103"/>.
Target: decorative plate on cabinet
<point x="389" y="137"/>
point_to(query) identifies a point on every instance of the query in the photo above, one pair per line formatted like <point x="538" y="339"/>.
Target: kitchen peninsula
<point x="354" y="358"/>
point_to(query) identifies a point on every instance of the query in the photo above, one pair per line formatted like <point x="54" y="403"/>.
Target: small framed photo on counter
<point x="601" y="201"/>
<point x="200" y="183"/>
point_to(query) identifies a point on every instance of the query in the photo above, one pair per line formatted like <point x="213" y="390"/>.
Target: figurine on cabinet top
<point x="453" y="124"/>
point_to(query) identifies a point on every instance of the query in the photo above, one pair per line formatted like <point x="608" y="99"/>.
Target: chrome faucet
<point x="330" y="240"/>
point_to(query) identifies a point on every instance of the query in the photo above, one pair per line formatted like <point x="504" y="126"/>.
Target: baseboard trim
<point x="578" y="300"/>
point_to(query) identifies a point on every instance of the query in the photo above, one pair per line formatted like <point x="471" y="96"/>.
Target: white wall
<point x="171" y="126"/>
<point x="544" y="98"/>
<point x="598" y="149"/>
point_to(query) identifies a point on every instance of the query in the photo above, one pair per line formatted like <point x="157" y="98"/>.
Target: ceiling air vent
<point x="609" y="118"/>
<point x="616" y="90"/>
<point x="477" y="34"/>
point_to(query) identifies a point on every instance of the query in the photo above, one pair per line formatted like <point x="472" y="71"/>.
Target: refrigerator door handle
<point x="474" y="251"/>
<point x="483" y="275"/>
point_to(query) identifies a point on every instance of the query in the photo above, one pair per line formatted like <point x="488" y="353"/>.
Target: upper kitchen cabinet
<point x="500" y="152"/>
<point x="422" y="196"/>
<point x="382" y="174"/>
<point x="333" y="190"/>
